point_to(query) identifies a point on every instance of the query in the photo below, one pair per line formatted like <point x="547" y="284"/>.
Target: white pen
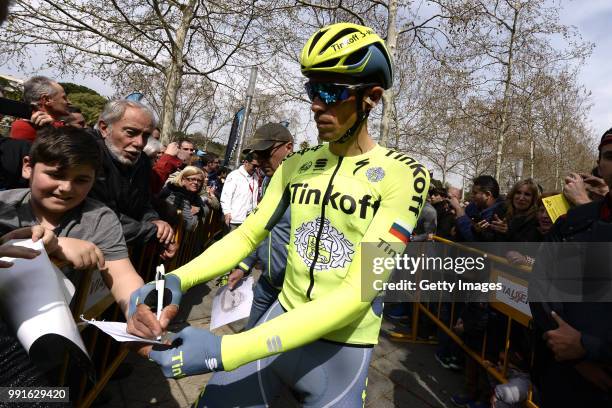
<point x="160" y="276"/>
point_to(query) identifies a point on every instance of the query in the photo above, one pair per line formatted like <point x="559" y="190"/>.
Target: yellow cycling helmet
<point x="348" y="49"/>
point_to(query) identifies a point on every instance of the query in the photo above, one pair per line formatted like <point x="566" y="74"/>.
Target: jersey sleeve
<point x="398" y="213"/>
<point x="228" y="252"/>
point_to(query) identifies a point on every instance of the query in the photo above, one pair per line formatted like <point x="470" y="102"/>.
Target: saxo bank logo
<point x="334" y="249"/>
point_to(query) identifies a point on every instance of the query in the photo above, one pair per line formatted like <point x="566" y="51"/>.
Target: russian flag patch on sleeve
<point x="401" y="231"/>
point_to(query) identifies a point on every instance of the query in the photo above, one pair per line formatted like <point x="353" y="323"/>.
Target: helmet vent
<point x="338" y="36"/>
<point x="327" y="64"/>
<point x="316" y="38"/>
<point x="357" y="56"/>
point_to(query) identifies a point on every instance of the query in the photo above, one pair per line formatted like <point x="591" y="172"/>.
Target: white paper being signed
<point x="118" y="331"/>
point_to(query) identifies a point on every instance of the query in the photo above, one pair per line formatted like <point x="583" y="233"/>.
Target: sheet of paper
<point x="34" y="300"/>
<point x="118" y="331"/>
<point x="231" y="305"/>
<point x="556" y="206"/>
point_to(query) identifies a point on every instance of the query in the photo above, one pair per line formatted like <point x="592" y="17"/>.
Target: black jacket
<point x="11" y="156"/>
<point x="183" y="200"/>
<point x="561" y="383"/>
<point x="126" y="191"/>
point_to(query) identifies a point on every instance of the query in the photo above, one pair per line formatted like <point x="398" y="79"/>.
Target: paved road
<point x="401" y="374"/>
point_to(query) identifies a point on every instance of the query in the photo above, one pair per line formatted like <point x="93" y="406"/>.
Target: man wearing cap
<point x="270" y="145"/>
<point x="240" y="193"/>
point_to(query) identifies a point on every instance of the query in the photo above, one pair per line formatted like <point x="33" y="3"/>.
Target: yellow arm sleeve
<point x="233" y="248"/>
<point x="313" y="320"/>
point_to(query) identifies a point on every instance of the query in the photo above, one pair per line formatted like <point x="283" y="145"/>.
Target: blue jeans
<point x="264" y="295"/>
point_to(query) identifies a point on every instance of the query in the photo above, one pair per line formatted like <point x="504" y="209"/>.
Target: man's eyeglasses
<point x="331" y="92"/>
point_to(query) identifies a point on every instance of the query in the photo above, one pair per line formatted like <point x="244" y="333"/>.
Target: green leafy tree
<point x="90" y="104"/>
<point x="9" y="90"/>
<point x="71" y="88"/>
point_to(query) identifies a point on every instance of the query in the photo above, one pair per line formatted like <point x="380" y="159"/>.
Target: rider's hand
<point x="147" y="295"/>
<point x="195" y="351"/>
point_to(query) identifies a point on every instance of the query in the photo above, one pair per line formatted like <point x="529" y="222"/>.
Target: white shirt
<point x="239" y="194"/>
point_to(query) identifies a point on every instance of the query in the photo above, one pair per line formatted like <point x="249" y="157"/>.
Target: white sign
<point x="231" y="305"/>
<point x="513" y="295"/>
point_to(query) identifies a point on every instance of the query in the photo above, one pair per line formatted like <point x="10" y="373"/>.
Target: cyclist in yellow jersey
<point x="318" y="337"/>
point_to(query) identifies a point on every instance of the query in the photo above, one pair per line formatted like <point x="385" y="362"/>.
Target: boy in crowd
<point x="61" y="169"/>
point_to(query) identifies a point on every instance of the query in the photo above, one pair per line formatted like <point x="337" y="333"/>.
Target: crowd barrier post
<point x="106" y="354"/>
<point x="512" y="314"/>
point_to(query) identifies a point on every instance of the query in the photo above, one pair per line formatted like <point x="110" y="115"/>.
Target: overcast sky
<point x="590" y="17"/>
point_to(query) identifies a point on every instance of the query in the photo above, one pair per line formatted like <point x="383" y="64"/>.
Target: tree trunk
<point x="531" y="156"/>
<point x="501" y="131"/>
<point x="389" y="93"/>
<point x="174" y="74"/>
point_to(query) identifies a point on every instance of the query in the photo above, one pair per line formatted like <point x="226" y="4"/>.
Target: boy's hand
<point x="34" y="232"/>
<point x="81" y="254"/>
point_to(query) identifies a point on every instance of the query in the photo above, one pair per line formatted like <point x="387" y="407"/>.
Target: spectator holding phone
<point x="583" y="188"/>
<point x="49" y="104"/>
<point x="474" y="221"/>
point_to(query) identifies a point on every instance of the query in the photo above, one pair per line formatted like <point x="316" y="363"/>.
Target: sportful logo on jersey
<point x="305" y="167"/>
<point x="360" y="164"/>
<point x="375" y="174"/>
<point x="274" y="344"/>
<point x="211" y="363"/>
<point x="320" y="164"/>
<point x="334" y="249"/>
<point x="401" y="231"/>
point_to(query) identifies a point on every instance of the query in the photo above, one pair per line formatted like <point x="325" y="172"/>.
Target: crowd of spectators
<point x="101" y="189"/>
<point x="573" y="348"/>
<point x="98" y="191"/>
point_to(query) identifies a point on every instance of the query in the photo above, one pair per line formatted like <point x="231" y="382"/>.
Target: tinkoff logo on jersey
<point x="334" y="250"/>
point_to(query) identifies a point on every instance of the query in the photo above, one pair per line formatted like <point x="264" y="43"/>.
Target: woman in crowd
<point x="520" y="223"/>
<point x="183" y="192"/>
<point x="543" y="225"/>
